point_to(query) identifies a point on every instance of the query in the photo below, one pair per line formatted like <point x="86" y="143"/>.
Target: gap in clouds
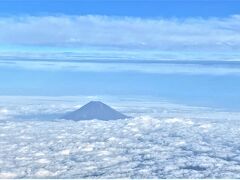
<point x="200" y="90"/>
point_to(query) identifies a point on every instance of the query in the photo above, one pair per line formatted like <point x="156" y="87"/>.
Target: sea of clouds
<point x="163" y="140"/>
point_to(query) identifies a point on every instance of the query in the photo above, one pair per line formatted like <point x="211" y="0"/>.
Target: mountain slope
<point x="95" y="110"/>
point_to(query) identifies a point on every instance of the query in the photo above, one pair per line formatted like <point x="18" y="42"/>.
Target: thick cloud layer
<point x="162" y="141"/>
<point x="139" y="148"/>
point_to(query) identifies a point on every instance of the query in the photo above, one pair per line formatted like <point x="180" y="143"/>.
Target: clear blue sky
<point x="46" y="32"/>
<point x="139" y="8"/>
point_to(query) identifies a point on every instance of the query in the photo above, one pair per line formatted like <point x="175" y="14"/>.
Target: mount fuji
<point x="95" y="110"/>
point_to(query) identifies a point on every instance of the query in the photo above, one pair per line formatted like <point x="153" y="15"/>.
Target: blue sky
<point x="137" y="8"/>
<point x="185" y="51"/>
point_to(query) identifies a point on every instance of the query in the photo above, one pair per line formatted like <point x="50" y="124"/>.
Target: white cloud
<point x="99" y="43"/>
<point x="160" y="33"/>
<point x="164" y="140"/>
<point x="106" y="149"/>
<point x="4" y="113"/>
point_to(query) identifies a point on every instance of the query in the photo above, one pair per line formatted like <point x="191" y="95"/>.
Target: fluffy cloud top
<point x="164" y="34"/>
<point x="175" y="141"/>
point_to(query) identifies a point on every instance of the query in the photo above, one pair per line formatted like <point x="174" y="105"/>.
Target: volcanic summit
<point x="95" y="110"/>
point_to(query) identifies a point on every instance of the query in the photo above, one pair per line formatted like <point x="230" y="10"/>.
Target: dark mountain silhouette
<point x="95" y="110"/>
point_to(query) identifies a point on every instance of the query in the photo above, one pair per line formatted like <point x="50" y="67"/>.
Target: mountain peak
<point x="95" y="103"/>
<point x="95" y="110"/>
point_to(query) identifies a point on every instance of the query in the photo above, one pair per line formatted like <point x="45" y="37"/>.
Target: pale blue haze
<point x="197" y="70"/>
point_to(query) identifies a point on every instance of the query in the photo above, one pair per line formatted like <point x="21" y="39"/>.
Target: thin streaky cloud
<point x="128" y="32"/>
<point x="106" y="43"/>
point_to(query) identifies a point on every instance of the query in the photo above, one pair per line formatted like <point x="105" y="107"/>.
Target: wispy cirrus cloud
<point x="104" y="43"/>
<point x="159" y="33"/>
